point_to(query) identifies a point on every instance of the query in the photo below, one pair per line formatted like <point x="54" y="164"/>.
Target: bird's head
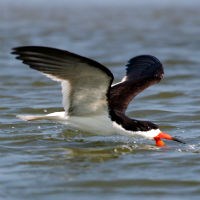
<point x="152" y="131"/>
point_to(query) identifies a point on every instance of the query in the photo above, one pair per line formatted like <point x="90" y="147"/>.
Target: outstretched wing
<point x="142" y="71"/>
<point x="85" y="82"/>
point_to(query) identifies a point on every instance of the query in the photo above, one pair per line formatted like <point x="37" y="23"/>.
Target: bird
<point x="91" y="101"/>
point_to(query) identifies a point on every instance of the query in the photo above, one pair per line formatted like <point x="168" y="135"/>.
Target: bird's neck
<point x="130" y="124"/>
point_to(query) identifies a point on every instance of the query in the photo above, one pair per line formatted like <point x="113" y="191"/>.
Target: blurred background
<point x="43" y="160"/>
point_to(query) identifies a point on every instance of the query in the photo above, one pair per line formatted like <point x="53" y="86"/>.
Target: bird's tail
<point x="31" y="117"/>
<point x="51" y="116"/>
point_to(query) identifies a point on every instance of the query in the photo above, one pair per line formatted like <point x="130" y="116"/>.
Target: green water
<point x="42" y="160"/>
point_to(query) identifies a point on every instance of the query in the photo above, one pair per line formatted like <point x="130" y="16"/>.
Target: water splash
<point x="190" y="148"/>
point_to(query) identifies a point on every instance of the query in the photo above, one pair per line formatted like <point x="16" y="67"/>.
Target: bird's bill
<point x="162" y="135"/>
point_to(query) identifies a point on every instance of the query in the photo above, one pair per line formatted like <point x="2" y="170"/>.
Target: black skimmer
<point x="91" y="103"/>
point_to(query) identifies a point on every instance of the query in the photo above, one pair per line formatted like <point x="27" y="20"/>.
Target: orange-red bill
<point x="165" y="136"/>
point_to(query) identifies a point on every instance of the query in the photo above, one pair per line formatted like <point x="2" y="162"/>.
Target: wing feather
<point x="142" y="71"/>
<point x="85" y="82"/>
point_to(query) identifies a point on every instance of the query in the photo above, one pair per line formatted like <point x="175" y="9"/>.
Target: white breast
<point x="103" y="125"/>
<point x="100" y="124"/>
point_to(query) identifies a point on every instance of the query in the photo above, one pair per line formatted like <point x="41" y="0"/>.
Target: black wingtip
<point x="14" y="50"/>
<point x="17" y="50"/>
<point x="25" y="48"/>
<point x="26" y="53"/>
<point x="144" y="59"/>
<point x="145" y="66"/>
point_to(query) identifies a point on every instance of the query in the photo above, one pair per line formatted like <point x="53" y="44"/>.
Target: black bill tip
<point x="178" y="140"/>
